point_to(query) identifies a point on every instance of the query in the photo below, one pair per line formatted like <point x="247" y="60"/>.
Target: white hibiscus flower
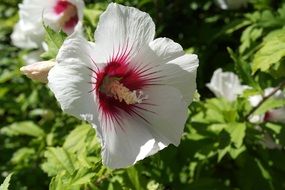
<point x="134" y="90"/>
<point x="226" y="85"/>
<point x="58" y="14"/>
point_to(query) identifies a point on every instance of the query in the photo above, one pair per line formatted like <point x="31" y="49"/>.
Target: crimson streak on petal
<point x="119" y="87"/>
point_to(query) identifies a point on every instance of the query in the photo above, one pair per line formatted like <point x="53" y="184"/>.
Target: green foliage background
<point x="220" y="149"/>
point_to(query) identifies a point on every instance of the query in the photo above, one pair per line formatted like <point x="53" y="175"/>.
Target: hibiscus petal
<point x="31" y="11"/>
<point x="80" y="6"/>
<point x="225" y="84"/>
<point x="142" y="133"/>
<point x="167" y="113"/>
<point x="166" y="49"/>
<point x="52" y="19"/>
<point x="125" y="143"/>
<point x="181" y="74"/>
<point x="70" y="80"/>
<point x="177" y="68"/>
<point x="123" y="28"/>
<point x="31" y="39"/>
<point x="29" y="31"/>
<point x="277" y="115"/>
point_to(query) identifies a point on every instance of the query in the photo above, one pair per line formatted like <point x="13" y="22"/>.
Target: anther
<point x="118" y="91"/>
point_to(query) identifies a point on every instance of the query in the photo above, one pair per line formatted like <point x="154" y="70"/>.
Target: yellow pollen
<point x="117" y="90"/>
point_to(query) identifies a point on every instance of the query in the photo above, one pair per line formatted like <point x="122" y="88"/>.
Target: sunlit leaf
<point x="58" y="159"/>
<point x="134" y="177"/>
<point x="6" y="183"/>
<point x="23" y="128"/>
<point x="271" y="52"/>
<point x="237" y="133"/>
<point x="54" y="41"/>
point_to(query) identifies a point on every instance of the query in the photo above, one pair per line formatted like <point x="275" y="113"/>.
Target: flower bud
<point x="38" y="71"/>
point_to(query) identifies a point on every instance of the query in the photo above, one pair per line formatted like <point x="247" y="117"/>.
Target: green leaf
<point x="223" y="152"/>
<point x="23" y="128"/>
<point x="76" y="140"/>
<point x="237" y="133"/>
<point x="275" y="128"/>
<point x="6" y="183"/>
<point x="22" y="155"/>
<point x="278" y="69"/>
<point x="58" y="159"/>
<point x="269" y="104"/>
<point x="234" y="153"/>
<point x="134" y="177"/>
<point x="92" y="16"/>
<point x="249" y="36"/>
<point x="265" y="174"/>
<point x="278" y="132"/>
<point x="232" y="133"/>
<point x="220" y="110"/>
<point x="54" y="41"/>
<point x="271" y="52"/>
<point x="243" y="69"/>
<point x="64" y="181"/>
<point x="57" y="182"/>
<point x="82" y="176"/>
<point x="8" y="75"/>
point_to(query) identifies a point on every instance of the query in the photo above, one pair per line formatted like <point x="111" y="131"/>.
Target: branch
<point x="279" y="87"/>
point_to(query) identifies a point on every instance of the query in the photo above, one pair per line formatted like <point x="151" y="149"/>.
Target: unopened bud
<point x="38" y="71"/>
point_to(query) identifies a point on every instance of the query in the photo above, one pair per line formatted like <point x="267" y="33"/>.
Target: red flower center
<point x="119" y="87"/>
<point x="69" y="17"/>
<point x="61" y="6"/>
<point x="267" y="116"/>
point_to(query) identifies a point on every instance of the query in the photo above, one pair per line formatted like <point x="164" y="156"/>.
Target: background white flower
<point x="226" y="85"/>
<point x="58" y="14"/>
<point x="135" y="90"/>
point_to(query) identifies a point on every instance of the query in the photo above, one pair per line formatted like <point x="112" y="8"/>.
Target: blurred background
<point x="46" y="149"/>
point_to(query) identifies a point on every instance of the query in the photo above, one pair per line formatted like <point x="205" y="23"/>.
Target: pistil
<point x="113" y="87"/>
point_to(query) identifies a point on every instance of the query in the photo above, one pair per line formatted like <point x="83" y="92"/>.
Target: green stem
<point x="280" y="86"/>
